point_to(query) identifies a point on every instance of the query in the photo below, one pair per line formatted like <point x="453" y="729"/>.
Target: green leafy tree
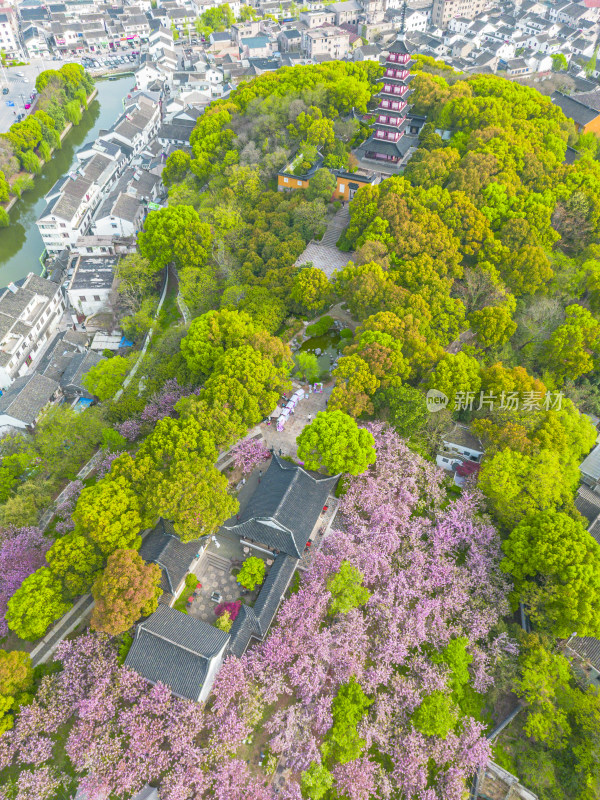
<point x="210" y="335"/>
<point x="175" y="233"/>
<point x="247" y="383"/>
<point x="355" y="385"/>
<point x="106" y="378"/>
<point x="109" y="515"/>
<point x="517" y="484"/>
<point x="31" y="162"/>
<point x="343" y="743"/>
<point x="36" y="604"/>
<point x="75" y="560"/>
<point x="252" y="573"/>
<point x="127" y="589"/>
<point x="316" y="782"/>
<point x="404" y="407"/>
<point x="436" y="716"/>
<point x="308" y="366"/>
<point x="494" y="325"/>
<point x="455" y="373"/>
<point x="16" y="678"/>
<point x="266" y="310"/>
<point x="136" y="280"/>
<point x="544" y="684"/>
<point x="322" y="184"/>
<point x="559" y="63"/>
<point x="333" y="441"/>
<point x="224" y="622"/>
<point x="346" y="589"/>
<point x="176" y="167"/>
<point x="570" y="350"/>
<point x="555" y="563"/>
<point x="311" y="289"/>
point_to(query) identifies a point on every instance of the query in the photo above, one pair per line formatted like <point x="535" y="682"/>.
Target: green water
<point x="21" y="244"/>
<point x="329" y="344"/>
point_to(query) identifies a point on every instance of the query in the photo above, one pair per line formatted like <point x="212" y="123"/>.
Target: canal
<point x="20" y="243"/>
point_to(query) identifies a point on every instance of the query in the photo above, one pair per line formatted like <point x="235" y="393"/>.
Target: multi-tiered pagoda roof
<point x="389" y="120"/>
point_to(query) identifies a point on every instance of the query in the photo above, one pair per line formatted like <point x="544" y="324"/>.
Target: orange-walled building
<point x="347" y="183"/>
<point x="585" y="116"/>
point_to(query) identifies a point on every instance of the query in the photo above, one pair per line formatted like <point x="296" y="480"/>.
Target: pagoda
<point x="385" y="143"/>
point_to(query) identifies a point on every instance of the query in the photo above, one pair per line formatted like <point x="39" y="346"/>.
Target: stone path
<point x="324" y="526"/>
<point x="215" y="576"/>
<point x="44" y="650"/>
<point x="324" y="254"/>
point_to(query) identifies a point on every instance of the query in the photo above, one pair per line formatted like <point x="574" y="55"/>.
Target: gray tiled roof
<point x="175" y="649"/>
<point x="174" y="557"/>
<point x="178" y="132"/>
<point x="572" y="108"/>
<point x="126" y="207"/>
<point x="255" y="622"/>
<point x="591" y="464"/>
<point x="27" y="396"/>
<point x="587" y="503"/>
<point x="283" y="510"/>
<point x="460" y="435"/>
<point x="80" y="364"/>
<point x="587" y="648"/>
<point x="147" y="793"/>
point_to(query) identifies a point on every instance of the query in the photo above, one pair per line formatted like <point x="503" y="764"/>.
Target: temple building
<point x="390" y="119"/>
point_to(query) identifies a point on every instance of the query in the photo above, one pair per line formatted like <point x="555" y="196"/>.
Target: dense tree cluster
<point x="172" y="474"/>
<point x="62" y="95"/>
<point x="243" y="238"/>
<point x="381" y="656"/>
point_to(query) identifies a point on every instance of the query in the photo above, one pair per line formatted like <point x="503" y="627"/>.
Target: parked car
<point x="5" y="90"/>
<point x="27" y="106"/>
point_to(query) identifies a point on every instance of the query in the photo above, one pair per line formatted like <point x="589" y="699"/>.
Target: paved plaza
<point x="214" y="573"/>
<point x="324" y="254"/>
<point x="324" y="257"/>
<point x="304" y="413"/>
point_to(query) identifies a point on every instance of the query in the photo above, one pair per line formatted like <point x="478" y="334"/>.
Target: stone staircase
<point x="211" y="559"/>
<point x="324" y="254"/>
<point x="336" y="227"/>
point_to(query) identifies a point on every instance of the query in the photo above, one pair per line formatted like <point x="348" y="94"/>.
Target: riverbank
<point x="21" y="244"/>
<point x="67" y="129"/>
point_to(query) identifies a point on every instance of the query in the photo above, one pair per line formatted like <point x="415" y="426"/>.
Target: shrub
<point x="224" y="622"/>
<point x="233" y="609"/>
<point x="252" y="573"/>
<point x="320" y="327"/>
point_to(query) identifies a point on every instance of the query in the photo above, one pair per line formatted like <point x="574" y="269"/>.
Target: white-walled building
<point x="91" y="284"/>
<point x="73" y="201"/>
<point x="29" y="316"/>
<point x="9" y="37"/>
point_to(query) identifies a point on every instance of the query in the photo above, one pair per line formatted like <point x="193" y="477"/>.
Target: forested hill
<point x="475" y="273"/>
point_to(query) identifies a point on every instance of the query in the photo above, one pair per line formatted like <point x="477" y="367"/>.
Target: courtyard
<point x="214" y="573"/>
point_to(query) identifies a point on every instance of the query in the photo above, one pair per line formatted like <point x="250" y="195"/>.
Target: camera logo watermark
<point x="435" y="401"/>
<point x="507" y="401"/>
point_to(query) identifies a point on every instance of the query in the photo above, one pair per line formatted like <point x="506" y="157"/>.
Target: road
<point x="20" y="89"/>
